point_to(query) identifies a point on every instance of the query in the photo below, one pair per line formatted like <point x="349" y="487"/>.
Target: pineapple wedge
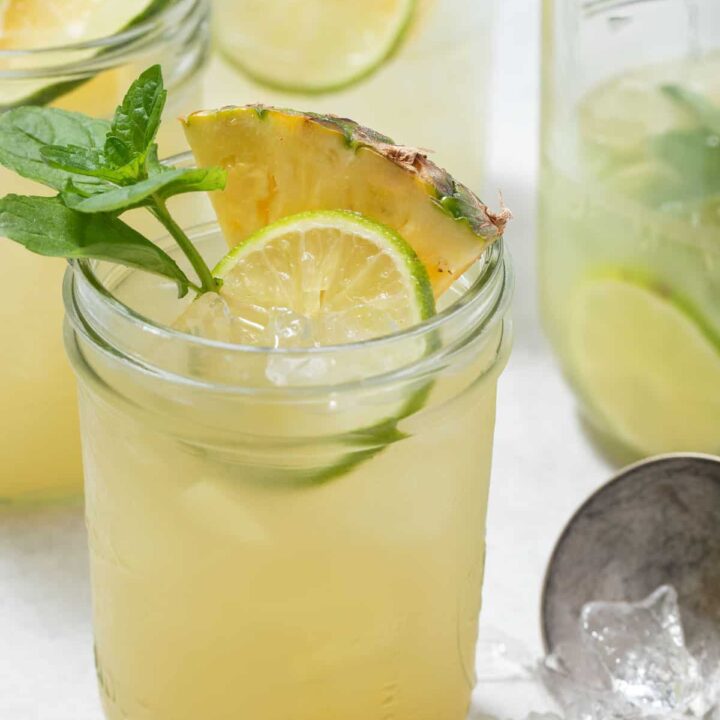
<point x="282" y="162"/>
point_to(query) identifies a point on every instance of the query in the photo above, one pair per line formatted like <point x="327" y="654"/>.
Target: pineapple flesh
<point x="282" y="162"/>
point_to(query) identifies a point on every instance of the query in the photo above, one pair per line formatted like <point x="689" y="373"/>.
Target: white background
<point x="544" y="466"/>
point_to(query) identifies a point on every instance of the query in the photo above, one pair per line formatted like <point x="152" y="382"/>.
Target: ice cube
<point x="642" y="648"/>
<point x="631" y="661"/>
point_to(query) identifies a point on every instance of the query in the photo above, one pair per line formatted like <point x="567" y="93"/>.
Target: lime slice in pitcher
<point x="647" y="363"/>
<point x="314" y="46"/>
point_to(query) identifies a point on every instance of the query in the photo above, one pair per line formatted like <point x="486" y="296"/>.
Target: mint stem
<point x="207" y="281"/>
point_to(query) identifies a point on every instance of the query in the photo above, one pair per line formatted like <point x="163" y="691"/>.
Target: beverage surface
<point x="630" y="256"/>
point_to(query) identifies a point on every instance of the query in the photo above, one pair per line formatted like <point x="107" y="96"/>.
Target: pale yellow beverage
<point x="39" y="435"/>
<point x="416" y="70"/>
<point x="270" y="539"/>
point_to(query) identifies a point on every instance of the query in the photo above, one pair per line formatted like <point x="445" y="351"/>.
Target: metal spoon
<point x="656" y="522"/>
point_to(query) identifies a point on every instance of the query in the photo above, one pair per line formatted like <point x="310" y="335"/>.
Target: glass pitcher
<point x="630" y="217"/>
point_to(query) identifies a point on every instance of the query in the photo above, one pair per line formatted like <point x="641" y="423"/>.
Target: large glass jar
<point x="284" y="533"/>
<point x="39" y="440"/>
<point x="630" y="217"/>
<point x="416" y="70"/>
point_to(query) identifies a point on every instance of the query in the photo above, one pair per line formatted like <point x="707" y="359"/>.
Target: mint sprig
<point x="100" y="170"/>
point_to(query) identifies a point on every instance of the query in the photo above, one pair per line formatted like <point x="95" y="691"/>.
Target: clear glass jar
<point x="39" y="441"/>
<point x="630" y="217"/>
<point x="422" y="83"/>
<point x="284" y="533"/>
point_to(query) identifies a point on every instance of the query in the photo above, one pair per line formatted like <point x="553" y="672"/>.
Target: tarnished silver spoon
<point x="655" y="523"/>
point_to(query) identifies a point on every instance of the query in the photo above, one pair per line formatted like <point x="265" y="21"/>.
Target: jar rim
<point x="497" y="272"/>
<point x="109" y="48"/>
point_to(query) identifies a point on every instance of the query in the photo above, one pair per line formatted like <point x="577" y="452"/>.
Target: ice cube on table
<point x="631" y="661"/>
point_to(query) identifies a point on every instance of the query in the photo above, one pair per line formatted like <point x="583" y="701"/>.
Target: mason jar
<point x="284" y="533"/>
<point x="39" y="439"/>
<point x="416" y="70"/>
<point x="630" y="218"/>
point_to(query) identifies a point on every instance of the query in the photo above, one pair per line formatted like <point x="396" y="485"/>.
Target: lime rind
<point x="385" y="53"/>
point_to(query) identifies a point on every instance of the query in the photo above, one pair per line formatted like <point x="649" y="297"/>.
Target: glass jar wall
<point x="271" y="542"/>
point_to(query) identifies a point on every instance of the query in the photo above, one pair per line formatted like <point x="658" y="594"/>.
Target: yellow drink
<point x="231" y="579"/>
<point x="39" y="437"/>
<point x="430" y="91"/>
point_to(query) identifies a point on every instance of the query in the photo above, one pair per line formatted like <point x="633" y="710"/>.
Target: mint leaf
<point x="25" y="131"/>
<point x="101" y="170"/>
<point x="706" y="113"/>
<point x="164" y="184"/>
<point x="91" y="163"/>
<point x="137" y="119"/>
<point x="46" y="227"/>
<point x="695" y="156"/>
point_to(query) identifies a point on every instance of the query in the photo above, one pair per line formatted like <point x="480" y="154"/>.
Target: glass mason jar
<point x="415" y="70"/>
<point x="284" y="533"/>
<point x="39" y="440"/>
<point x="630" y="217"/>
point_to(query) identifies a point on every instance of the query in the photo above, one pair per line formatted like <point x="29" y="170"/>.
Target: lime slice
<point x="35" y="24"/>
<point x="313" y="46"/>
<point x="647" y="364"/>
<point x="318" y="279"/>
<point x="315" y="279"/>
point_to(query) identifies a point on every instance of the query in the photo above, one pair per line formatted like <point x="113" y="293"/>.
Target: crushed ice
<point x="630" y="661"/>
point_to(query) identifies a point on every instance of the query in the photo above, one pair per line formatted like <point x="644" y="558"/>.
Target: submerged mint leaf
<point x="694" y="155"/>
<point x="163" y="184"/>
<point x="25" y="131"/>
<point x="705" y="112"/>
<point x="137" y="119"/>
<point x="46" y="227"/>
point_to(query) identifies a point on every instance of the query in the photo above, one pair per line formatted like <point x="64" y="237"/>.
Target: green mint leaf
<point x="694" y="155"/>
<point x="137" y="119"/>
<point x="25" y="131"/>
<point x="706" y="113"/>
<point x="74" y="158"/>
<point x="152" y="161"/>
<point x="91" y="163"/>
<point x="163" y="184"/>
<point x="45" y="226"/>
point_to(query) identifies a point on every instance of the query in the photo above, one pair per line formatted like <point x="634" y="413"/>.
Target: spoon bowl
<point x="655" y="523"/>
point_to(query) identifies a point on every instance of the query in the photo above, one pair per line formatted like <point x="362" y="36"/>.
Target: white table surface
<point x="544" y="466"/>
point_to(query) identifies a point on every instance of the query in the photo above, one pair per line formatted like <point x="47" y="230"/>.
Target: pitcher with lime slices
<point x="413" y="68"/>
<point x="78" y="59"/>
<point x="287" y="446"/>
<point x="630" y="218"/>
